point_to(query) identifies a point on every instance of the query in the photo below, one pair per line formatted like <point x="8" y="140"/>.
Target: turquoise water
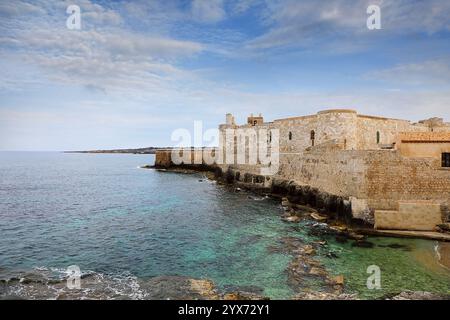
<point x="105" y="214"/>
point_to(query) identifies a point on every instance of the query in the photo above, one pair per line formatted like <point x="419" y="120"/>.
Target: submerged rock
<point x="243" y="296"/>
<point x="396" y="246"/>
<point x="363" y="244"/>
<point x="325" y="296"/>
<point x="293" y="219"/>
<point x="339" y="280"/>
<point x="417" y="295"/>
<point x="178" y="288"/>
<point x="287" y="245"/>
<point x="232" y="292"/>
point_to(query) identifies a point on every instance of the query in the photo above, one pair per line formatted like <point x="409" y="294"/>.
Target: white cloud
<point x="208" y="11"/>
<point x="110" y="59"/>
<point x="432" y="72"/>
<point x="16" y="8"/>
<point x="305" y="23"/>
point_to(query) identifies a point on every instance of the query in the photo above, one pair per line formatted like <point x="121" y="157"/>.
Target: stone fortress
<point x="391" y="173"/>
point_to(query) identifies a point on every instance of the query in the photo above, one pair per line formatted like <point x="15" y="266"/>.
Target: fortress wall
<point x="382" y="177"/>
<point x="327" y="125"/>
<point x="163" y="158"/>
<point x="391" y="177"/>
<point x="340" y="173"/>
<point x="368" y="126"/>
<point x="301" y="133"/>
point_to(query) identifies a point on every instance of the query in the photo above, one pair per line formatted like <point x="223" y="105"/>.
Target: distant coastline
<point x="148" y="150"/>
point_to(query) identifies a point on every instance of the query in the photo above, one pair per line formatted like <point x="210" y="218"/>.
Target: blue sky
<point x="138" y="70"/>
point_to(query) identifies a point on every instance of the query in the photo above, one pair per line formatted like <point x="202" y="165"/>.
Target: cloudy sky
<point x="138" y="70"/>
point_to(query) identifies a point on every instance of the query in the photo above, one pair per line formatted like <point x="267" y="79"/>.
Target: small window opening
<point x="378" y="137"/>
<point x="290" y="135"/>
<point x="313" y="137"/>
<point x="446" y="160"/>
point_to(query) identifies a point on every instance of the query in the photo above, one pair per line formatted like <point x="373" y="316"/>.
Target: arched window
<point x="378" y="137"/>
<point x="290" y="135"/>
<point x="313" y="137"/>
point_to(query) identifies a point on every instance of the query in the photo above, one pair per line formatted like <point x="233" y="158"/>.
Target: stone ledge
<point x="428" y="235"/>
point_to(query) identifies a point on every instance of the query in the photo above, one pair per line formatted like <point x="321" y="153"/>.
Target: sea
<point x="123" y="226"/>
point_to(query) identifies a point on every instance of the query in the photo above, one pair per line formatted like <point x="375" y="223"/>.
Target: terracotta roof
<point x="424" y="136"/>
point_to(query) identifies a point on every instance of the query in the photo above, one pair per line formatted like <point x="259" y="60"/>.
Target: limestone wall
<point x="338" y="172"/>
<point x="410" y="215"/>
<point x="391" y="177"/>
<point x="338" y="125"/>
<point x="300" y="128"/>
<point x="163" y="158"/>
<point x="327" y="125"/>
<point x="382" y="177"/>
<point x="368" y="126"/>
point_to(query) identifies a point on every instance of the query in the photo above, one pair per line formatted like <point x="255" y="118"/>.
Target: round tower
<point x="339" y="125"/>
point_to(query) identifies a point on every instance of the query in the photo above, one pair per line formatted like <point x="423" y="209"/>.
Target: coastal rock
<point x="287" y="245"/>
<point x="294" y="219"/>
<point x="418" y="295"/>
<point x="304" y="270"/>
<point x="338" y="280"/>
<point x="243" y="296"/>
<point x="304" y="209"/>
<point x="205" y="288"/>
<point x="443" y="227"/>
<point x="339" y="229"/>
<point x="325" y="296"/>
<point x="11" y="297"/>
<point x="307" y="249"/>
<point x="318" y="272"/>
<point x="178" y="288"/>
<point x="355" y="236"/>
<point x="318" y="217"/>
<point x="285" y="202"/>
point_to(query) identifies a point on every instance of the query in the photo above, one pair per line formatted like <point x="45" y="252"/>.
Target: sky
<point x="138" y="70"/>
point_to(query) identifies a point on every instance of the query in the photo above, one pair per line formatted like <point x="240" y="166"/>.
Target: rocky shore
<point x="38" y="284"/>
<point x="44" y="284"/>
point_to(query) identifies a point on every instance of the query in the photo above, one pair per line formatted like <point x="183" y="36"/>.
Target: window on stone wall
<point x="313" y="137"/>
<point x="290" y="135"/>
<point x="446" y="160"/>
<point x="378" y="137"/>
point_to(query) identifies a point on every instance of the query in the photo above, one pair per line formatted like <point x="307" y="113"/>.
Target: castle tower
<point x="229" y="120"/>
<point x="255" y="120"/>
<point x="337" y="124"/>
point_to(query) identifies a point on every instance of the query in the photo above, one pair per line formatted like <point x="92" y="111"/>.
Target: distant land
<point x="148" y="150"/>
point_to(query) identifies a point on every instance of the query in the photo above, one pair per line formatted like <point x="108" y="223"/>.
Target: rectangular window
<point x="446" y="160"/>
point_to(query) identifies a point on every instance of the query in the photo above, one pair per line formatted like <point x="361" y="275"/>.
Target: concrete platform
<point x="429" y="235"/>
